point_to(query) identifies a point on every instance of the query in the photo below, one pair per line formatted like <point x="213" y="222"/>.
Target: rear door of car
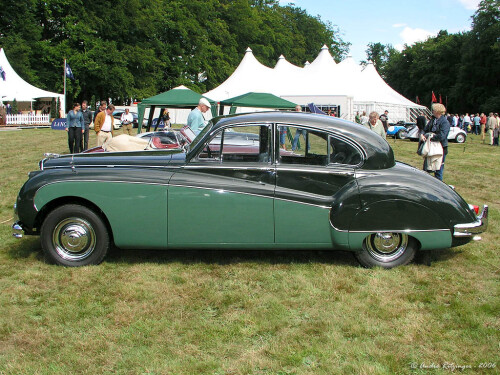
<point x="224" y="196"/>
<point x="308" y="181"/>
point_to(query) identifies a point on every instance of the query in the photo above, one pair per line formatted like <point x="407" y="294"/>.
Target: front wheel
<point x="73" y="235"/>
<point x="387" y="250"/>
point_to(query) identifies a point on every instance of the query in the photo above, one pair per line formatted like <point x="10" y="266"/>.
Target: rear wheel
<point x="73" y="235"/>
<point x="401" y="134"/>
<point x="460" y="138"/>
<point x="387" y="250"/>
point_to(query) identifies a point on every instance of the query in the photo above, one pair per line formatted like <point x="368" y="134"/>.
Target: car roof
<point x="378" y="153"/>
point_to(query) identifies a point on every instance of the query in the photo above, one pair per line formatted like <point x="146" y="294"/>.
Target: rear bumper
<point x="471" y="229"/>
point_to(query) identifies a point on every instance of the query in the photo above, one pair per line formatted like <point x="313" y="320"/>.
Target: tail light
<point x="475" y="208"/>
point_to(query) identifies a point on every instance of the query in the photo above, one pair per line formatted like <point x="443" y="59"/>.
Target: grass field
<point x="251" y="312"/>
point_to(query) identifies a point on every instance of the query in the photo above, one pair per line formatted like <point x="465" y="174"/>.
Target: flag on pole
<point x="418" y="100"/>
<point x="434" y="100"/>
<point x="440" y="99"/>
<point x="69" y="72"/>
<point x="2" y="73"/>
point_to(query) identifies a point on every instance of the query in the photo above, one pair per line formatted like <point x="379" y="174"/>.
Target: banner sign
<point x="58" y="124"/>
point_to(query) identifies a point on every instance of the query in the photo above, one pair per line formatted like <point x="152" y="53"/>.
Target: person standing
<point x="440" y="127"/>
<point x="364" y="118"/>
<point x="496" y="131"/>
<point x="466" y="123"/>
<point x="375" y="124"/>
<point x="482" y="121"/>
<point x="357" y="118"/>
<point x="103" y="125"/>
<point x="75" y="128"/>
<point x="127" y="120"/>
<point x="195" y="120"/>
<point x="491" y="125"/>
<point x="477" y="123"/>
<point x="385" y="120"/>
<point x="166" y="119"/>
<point x="87" y="120"/>
<point x="100" y="109"/>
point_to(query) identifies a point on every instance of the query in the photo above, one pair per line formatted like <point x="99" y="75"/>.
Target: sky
<point x="395" y="22"/>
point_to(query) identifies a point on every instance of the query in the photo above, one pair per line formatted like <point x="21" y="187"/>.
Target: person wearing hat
<point x="195" y="120"/>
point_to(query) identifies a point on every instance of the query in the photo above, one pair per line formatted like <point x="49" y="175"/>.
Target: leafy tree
<point x="53" y="108"/>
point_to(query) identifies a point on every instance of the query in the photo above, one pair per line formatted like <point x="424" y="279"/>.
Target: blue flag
<point x="2" y="73"/>
<point x="69" y="73"/>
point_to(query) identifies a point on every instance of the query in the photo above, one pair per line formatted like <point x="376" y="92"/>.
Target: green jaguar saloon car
<point x="338" y="189"/>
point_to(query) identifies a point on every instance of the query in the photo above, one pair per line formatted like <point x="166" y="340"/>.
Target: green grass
<point x="251" y="312"/>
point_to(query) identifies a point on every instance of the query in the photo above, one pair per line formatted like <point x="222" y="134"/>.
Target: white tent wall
<point x="14" y="87"/>
<point x="322" y="82"/>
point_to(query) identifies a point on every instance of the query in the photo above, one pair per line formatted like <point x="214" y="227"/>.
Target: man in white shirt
<point x="467" y="122"/>
<point x="127" y="120"/>
<point x="103" y="125"/>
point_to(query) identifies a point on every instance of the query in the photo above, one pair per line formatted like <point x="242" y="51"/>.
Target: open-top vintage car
<point x="343" y="191"/>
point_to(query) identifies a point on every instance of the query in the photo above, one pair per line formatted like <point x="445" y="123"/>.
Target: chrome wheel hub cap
<point x="74" y="239"/>
<point x="385" y="246"/>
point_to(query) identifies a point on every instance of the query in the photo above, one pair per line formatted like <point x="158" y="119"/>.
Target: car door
<point x="224" y="195"/>
<point x="308" y="183"/>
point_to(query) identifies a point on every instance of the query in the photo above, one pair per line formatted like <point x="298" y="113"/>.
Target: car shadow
<point x="223" y="257"/>
<point x="27" y="248"/>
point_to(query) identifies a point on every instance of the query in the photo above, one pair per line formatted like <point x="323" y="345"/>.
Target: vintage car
<point x="456" y="134"/>
<point x="344" y="191"/>
<point x="397" y="131"/>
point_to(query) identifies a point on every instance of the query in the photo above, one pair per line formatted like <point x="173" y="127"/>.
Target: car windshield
<point x="200" y="136"/>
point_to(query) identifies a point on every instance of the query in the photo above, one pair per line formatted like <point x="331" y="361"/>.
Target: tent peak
<point x="324" y="47"/>
<point x="281" y="57"/>
<point x="181" y="87"/>
<point x="248" y="50"/>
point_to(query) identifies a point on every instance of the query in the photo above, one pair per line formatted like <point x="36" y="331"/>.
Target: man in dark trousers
<point x="385" y="120"/>
<point x="87" y="119"/>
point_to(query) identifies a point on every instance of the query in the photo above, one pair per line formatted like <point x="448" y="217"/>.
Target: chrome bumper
<point x="476" y="227"/>
<point x="17" y="230"/>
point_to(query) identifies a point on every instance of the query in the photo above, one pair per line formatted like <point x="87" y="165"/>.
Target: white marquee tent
<point x="14" y="87"/>
<point x="323" y="82"/>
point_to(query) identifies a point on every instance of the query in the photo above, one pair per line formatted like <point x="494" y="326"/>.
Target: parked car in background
<point x="398" y="131"/>
<point x="344" y="191"/>
<point x="456" y="134"/>
<point x="118" y="114"/>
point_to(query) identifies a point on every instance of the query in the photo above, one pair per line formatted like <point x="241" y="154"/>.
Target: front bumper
<point x="17" y="230"/>
<point x="471" y="229"/>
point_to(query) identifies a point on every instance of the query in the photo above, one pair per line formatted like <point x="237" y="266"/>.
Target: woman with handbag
<point x="440" y="127"/>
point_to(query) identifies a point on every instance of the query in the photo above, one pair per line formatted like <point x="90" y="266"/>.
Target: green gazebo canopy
<point x="258" y="100"/>
<point x="179" y="97"/>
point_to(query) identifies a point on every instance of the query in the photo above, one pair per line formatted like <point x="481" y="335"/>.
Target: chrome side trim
<point x="400" y="231"/>
<point x="111" y="166"/>
<point x="217" y="165"/>
<point x="476" y="227"/>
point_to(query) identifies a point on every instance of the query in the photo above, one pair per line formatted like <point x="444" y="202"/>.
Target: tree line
<point x="133" y="49"/>
<point x="464" y="68"/>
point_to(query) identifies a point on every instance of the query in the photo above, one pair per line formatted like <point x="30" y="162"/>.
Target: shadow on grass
<point x="221" y="257"/>
<point x="28" y="247"/>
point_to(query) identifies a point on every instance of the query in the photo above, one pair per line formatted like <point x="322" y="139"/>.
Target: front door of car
<point x="224" y="195"/>
<point x="308" y="181"/>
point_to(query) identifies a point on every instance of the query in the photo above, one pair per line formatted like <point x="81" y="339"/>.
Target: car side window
<point x="342" y="152"/>
<point x="248" y="143"/>
<point x="300" y="145"/>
